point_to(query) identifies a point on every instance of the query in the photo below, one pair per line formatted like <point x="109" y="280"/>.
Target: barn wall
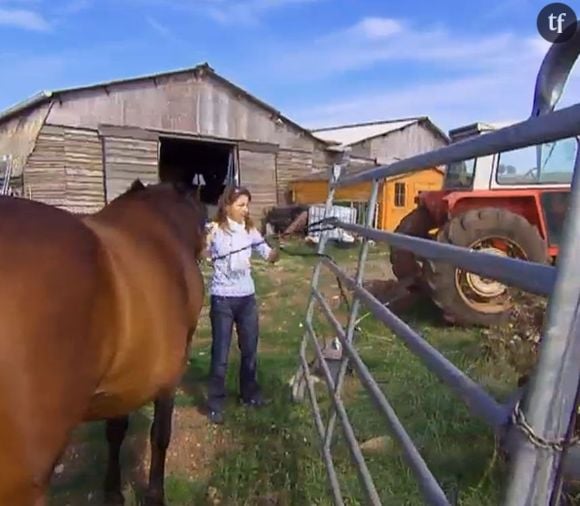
<point x="45" y="172"/>
<point x="184" y="103"/>
<point x="362" y="149"/>
<point x="404" y="143"/>
<point x="323" y="159"/>
<point x="127" y="159"/>
<point x="83" y="170"/>
<point x="258" y="173"/>
<point x="65" y="169"/>
<point x="17" y="135"/>
<point x="290" y="165"/>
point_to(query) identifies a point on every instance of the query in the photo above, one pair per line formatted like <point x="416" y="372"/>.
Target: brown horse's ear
<point x="137" y="185"/>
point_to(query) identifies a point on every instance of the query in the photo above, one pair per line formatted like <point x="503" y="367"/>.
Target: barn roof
<point x="348" y="135"/>
<point x="201" y="69"/>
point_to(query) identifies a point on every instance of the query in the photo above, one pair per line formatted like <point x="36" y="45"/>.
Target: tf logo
<point x="557" y="22"/>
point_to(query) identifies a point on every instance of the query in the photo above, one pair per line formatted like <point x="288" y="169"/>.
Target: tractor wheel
<point x="466" y="298"/>
<point x="417" y="224"/>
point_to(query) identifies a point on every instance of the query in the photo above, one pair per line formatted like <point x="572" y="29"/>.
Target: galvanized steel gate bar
<point x="550" y="401"/>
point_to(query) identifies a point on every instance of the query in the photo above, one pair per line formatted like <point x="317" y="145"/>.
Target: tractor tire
<point x="417" y="224"/>
<point x="475" y="304"/>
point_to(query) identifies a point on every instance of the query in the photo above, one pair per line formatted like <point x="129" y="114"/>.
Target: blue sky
<point x="321" y="62"/>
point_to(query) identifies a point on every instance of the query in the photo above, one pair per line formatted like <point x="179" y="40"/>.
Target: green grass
<point x="271" y="456"/>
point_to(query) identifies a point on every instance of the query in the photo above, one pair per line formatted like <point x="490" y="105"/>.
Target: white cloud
<point x="492" y="96"/>
<point x="24" y="19"/>
<point x="377" y="28"/>
<point x="374" y="41"/>
<point x="484" y="78"/>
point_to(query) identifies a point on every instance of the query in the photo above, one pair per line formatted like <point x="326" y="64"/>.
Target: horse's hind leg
<point x="160" y="437"/>
<point x="116" y="430"/>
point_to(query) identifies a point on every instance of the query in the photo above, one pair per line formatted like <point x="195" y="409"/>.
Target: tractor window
<point x="555" y="159"/>
<point x="460" y="175"/>
<point x="558" y="159"/>
<point x="400" y="189"/>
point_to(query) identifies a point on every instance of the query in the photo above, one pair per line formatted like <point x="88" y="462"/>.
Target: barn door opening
<point x="205" y="165"/>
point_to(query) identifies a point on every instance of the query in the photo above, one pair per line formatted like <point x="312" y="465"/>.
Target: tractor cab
<point x="546" y="165"/>
<point x="463" y="175"/>
<point x="533" y="181"/>
<point x="511" y="204"/>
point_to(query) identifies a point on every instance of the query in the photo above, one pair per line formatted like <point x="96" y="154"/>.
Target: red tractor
<point x="511" y="203"/>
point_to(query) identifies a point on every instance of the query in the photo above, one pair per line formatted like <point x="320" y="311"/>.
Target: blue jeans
<point x="224" y="313"/>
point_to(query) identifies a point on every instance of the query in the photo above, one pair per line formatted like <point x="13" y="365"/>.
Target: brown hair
<point x="228" y="197"/>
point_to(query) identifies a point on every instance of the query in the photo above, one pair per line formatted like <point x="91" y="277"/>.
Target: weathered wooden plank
<point x="258" y="173"/>
<point x="120" y="141"/>
<point x="84" y="169"/>
<point x="122" y="147"/>
<point x="258" y="147"/>
<point x="130" y="161"/>
<point x="127" y="160"/>
<point x="131" y="132"/>
<point x="45" y="175"/>
<point x="290" y="165"/>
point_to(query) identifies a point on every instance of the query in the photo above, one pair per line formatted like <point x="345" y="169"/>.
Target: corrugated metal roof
<point x="348" y="135"/>
<point x="46" y="95"/>
<point x="202" y="68"/>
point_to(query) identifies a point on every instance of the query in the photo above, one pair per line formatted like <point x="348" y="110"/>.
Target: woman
<point x="232" y="238"/>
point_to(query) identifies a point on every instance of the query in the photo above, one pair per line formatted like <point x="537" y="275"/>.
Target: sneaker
<point x="216" y="417"/>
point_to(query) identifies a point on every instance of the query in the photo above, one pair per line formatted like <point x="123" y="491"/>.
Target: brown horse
<point x="96" y="318"/>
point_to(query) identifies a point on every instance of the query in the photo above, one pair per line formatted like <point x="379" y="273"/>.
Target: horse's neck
<point x="141" y="220"/>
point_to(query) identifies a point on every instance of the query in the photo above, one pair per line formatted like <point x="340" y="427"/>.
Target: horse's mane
<point x="138" y="191"/>
<point x="137" y="187"/>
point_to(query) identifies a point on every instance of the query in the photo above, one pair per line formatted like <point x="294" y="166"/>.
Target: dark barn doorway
<point x="201" y="164"/>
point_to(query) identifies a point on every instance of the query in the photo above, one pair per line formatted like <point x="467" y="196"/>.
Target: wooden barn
<point x="79" y="148"/>
<point x="372" y="144"/>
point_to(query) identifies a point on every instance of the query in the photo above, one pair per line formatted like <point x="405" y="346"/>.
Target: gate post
<point x="550" y="403"/>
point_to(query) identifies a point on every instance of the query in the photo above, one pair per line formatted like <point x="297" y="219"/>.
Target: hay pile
<point x="517" y="342"/>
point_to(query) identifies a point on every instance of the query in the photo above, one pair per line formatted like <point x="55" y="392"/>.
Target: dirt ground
<point x="194" y="446"/>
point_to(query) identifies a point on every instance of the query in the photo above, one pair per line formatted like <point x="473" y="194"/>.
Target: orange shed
<point x="396" y="197"/>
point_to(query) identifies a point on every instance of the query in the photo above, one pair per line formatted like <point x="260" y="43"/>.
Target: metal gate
<point x="535" y="423"/>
